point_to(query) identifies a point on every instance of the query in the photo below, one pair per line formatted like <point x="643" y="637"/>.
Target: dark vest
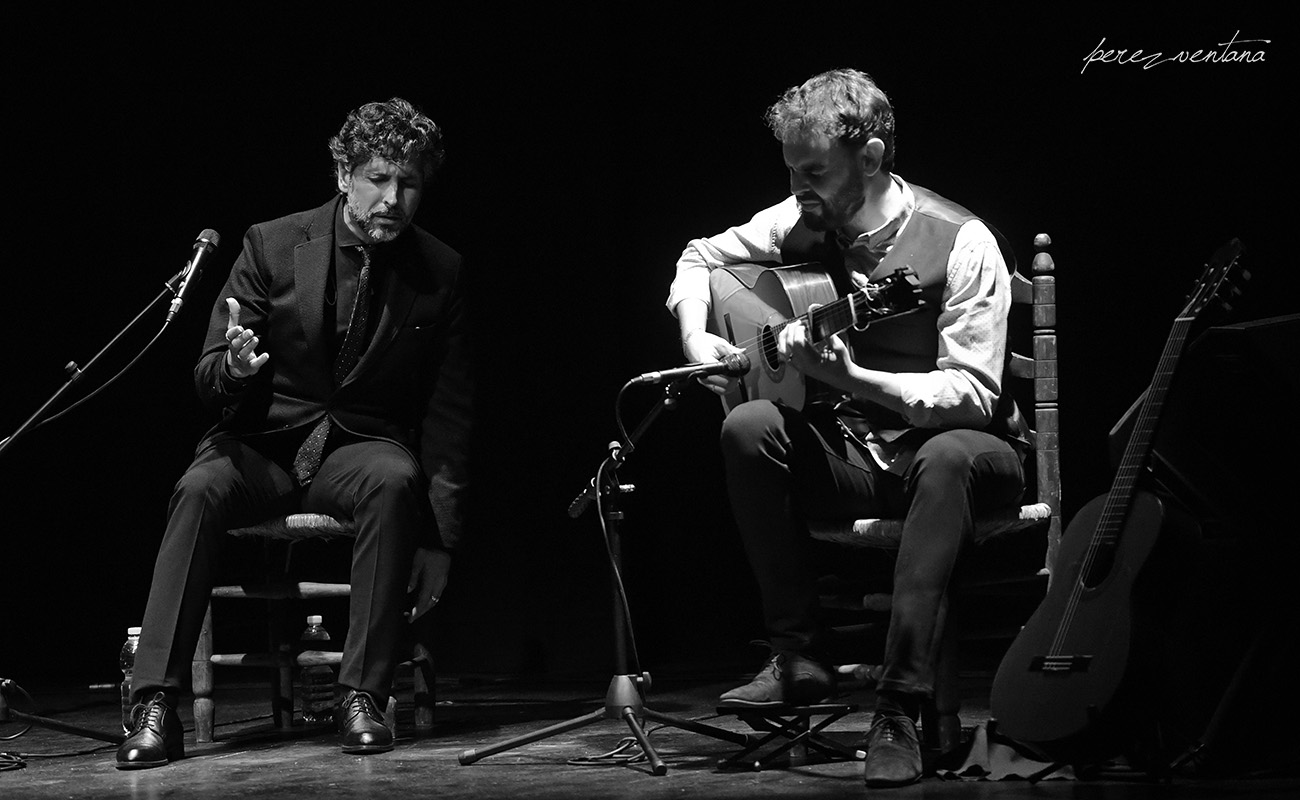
<point x="908" y="343"/>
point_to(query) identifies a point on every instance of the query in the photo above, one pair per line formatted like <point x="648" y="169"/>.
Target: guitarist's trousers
<point x="784" y="466"/>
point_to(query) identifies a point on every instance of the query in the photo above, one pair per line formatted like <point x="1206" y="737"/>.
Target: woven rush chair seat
<point x="886" y="534"/>
<point x="297" y="527"/>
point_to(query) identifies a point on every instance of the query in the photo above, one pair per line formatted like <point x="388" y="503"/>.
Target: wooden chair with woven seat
<point x="280" y="589"/>
<point x="1014" y="549"/>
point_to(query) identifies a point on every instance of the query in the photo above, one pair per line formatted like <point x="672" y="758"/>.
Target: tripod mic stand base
<point x="7" y="714"/>
<point x="622" y="701"/>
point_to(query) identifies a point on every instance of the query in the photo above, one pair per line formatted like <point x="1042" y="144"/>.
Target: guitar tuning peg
<point x="1244" y="274"/>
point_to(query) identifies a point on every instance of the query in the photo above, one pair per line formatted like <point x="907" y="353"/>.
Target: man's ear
<point x="344" y="177"/>
<point x="872" y="155"/>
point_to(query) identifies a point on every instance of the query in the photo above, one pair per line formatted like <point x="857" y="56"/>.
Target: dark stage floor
<point x="251" y="759"/>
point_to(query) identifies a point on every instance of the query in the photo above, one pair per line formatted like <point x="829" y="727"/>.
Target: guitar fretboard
<point x="881" y="300"/>
<point x="1139" y="444"/>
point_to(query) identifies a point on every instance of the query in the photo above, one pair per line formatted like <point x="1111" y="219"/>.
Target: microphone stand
<point x="7" y="714"/>
<point x="75" y="372"/>
<point x="625" y="697"/>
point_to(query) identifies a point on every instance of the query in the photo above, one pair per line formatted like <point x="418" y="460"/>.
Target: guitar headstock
<point x="898" y="293"/>
<point x="1216" y="281"/>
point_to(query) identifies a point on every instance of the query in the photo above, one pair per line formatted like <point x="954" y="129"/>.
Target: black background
<point x="585" y="147"/>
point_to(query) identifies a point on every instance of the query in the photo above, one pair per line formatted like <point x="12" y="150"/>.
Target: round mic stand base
<point x="7" y="714"/>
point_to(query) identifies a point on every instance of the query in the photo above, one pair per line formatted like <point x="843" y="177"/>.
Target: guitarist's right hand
<point x="700" y="346"/>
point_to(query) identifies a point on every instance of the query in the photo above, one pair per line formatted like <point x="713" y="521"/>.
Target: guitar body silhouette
<point x="1061" y="690"/>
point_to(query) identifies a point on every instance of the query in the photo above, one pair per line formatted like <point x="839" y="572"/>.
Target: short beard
<point x="814" y="222"/>
<point x="366" y="222"/>
<point x="833" y="218"/>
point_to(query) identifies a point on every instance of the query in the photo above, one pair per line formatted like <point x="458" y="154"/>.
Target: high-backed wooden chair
<point x="1014" y="549"/>
<point x="283" y="590"/>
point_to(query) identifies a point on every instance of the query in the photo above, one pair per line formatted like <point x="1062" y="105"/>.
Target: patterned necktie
<point x="307" y="462"/>
<point x="356" y="336"/>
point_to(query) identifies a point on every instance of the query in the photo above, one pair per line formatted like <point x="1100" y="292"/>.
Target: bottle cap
<point x="133" y="631"/>
<point x="315" y="619"/>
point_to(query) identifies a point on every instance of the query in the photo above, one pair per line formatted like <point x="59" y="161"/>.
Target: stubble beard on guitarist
<point x="837" y="210"/>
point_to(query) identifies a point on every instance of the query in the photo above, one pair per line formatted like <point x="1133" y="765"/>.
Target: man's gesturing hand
<point x="241" y="357"/>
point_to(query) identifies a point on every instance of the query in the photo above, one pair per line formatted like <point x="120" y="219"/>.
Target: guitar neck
<point x="1144" y="428"/>
<point x="828" y="320"/>
<point x="825" y="321"/>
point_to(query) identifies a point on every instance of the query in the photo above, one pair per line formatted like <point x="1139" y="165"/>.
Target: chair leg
<point x="425" y="688"/>
<point x="282" y="674"/>
<point x="201" y="679"/>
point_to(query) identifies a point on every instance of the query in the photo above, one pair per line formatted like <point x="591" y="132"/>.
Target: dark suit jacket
<point x="412" y="384"/>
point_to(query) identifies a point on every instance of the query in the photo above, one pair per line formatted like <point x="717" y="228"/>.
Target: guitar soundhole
<point x="1098" y="568"/>
<point x="767" y="347"/>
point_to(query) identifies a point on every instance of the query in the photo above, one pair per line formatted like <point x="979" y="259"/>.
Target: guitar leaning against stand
<point x="1067" y="686"/>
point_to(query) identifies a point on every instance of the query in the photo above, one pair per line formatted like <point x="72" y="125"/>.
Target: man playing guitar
<point x="912" y="421"/>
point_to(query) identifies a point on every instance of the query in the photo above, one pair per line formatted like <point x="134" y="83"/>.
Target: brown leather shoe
<point x="786" y="679"/>
<point x="156" y="736"/>
<point x="362" y="725"/>
<point x="893" y="752"/>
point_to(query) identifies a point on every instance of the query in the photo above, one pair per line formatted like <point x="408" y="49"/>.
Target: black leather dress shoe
<point x="786" y="679"/>
<point x="156" y="736"/>
<point x="362" y="725"/>
<point x="893" y="752"/>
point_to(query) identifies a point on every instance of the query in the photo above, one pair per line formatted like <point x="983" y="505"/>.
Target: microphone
<point x="736" y="364"/>
<point x="203" y="246"/>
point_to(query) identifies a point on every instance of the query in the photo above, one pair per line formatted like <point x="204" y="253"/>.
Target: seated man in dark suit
<point x="337" y="355"/>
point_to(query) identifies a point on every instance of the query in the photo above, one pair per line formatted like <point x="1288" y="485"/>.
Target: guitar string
<point x="840" y="310"/>
<point x="1121" y="494"/>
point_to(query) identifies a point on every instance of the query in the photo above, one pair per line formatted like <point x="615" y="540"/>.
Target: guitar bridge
<point x="1058" y="664"/>
<point x="731" y="337"/>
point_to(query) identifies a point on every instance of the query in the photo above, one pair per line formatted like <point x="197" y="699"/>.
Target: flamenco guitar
<point x="1061" y="688"/>
<point x="753" y="303"/>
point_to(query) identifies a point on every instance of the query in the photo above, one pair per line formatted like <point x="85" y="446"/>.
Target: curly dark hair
<point x="395" y="130"/>
<point x="842" y="104"/>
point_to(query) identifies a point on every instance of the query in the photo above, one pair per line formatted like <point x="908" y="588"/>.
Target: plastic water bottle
<point x="126" y="660"/>
<point x="316" y="681"/>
